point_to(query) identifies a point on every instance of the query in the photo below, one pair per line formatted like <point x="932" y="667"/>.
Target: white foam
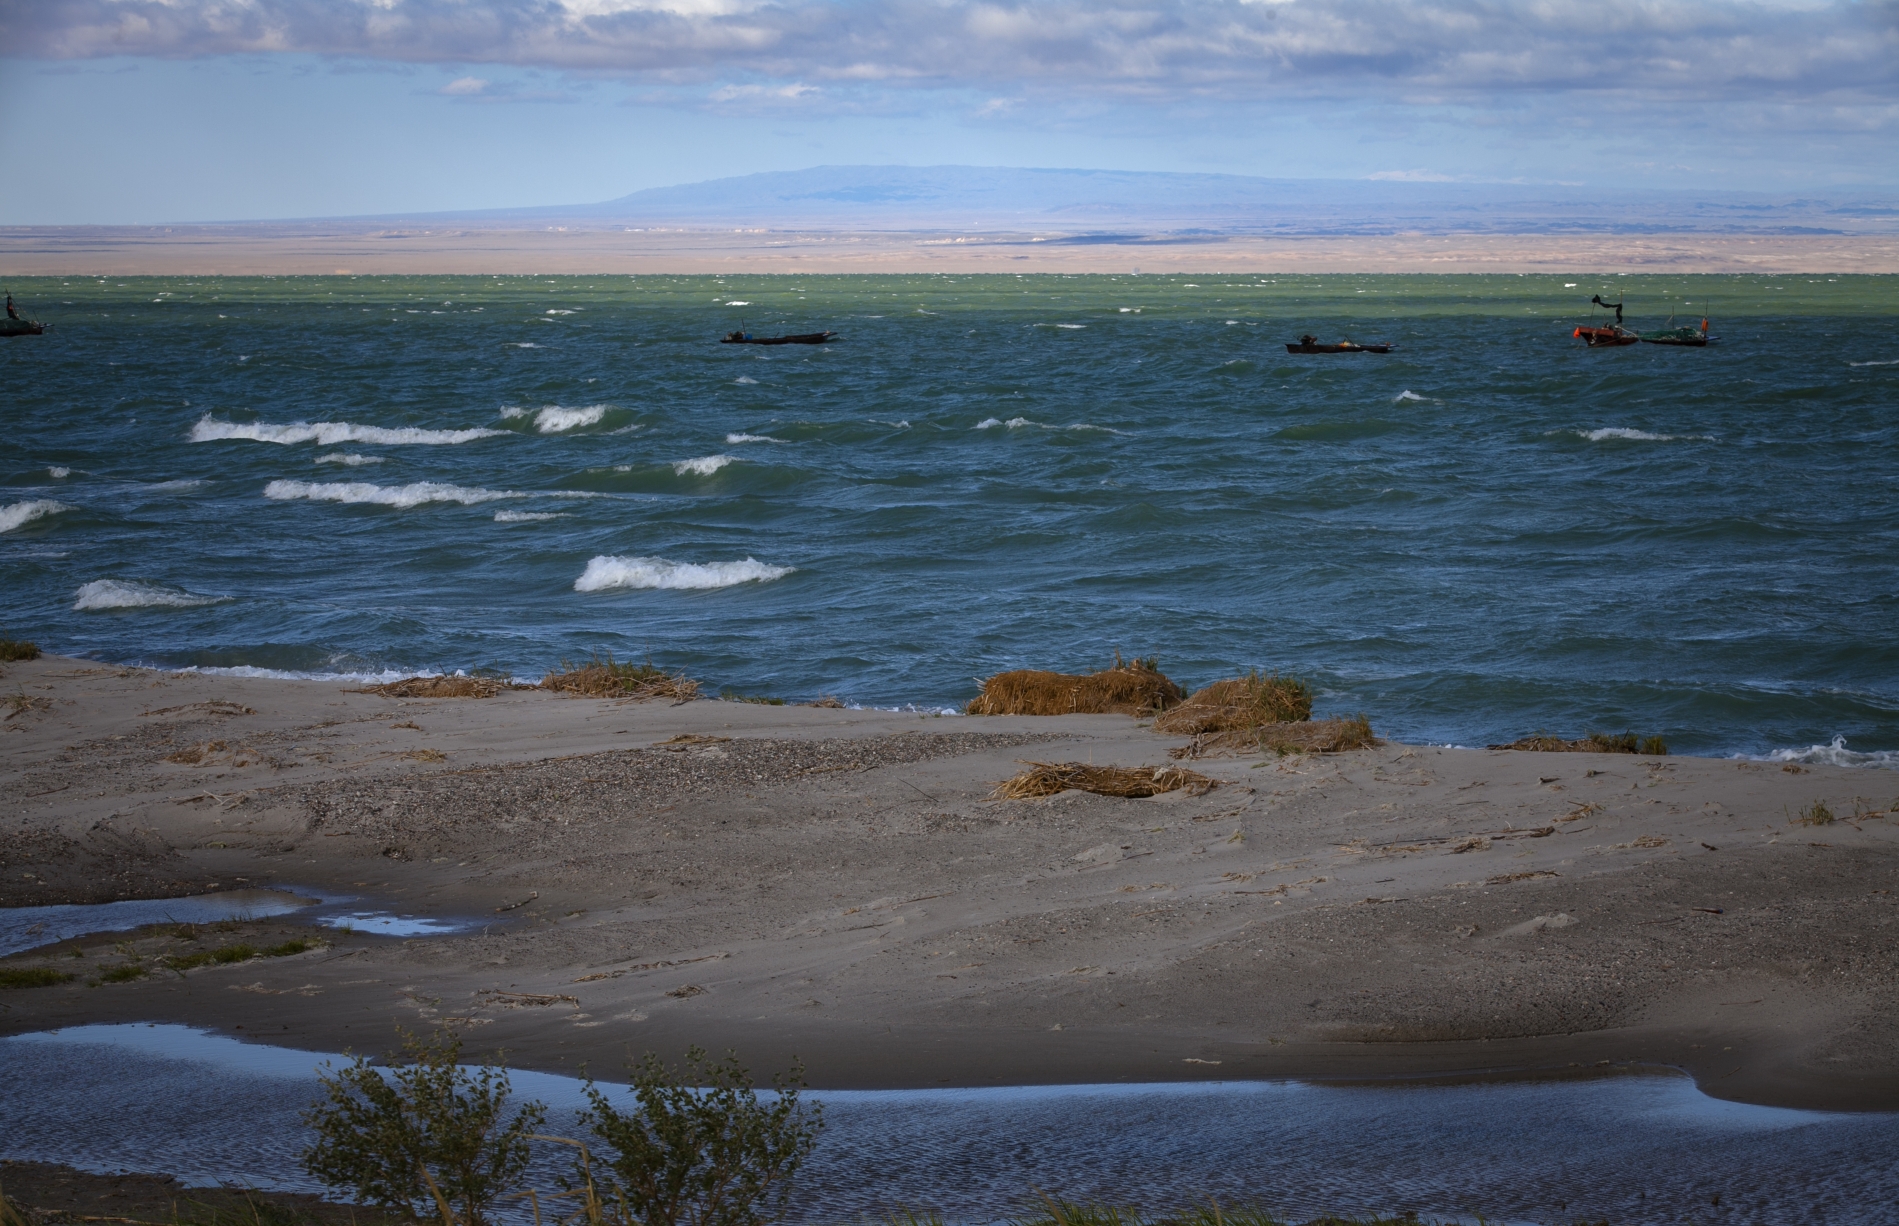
<point x="704" y="466"/>
<point x="1014" y="423"/>
<point x="132" y="594"/>
<point x="19" y="514"/>
<point x="1072" y="327"/>
<point x="1834" y="753"/>
<point x="59" y="472"/>
<point x="1642" y="436"/>
<point x="522" y="345"/>
<point x="894" y="425"/>
<point x="553" y="419"/>
<point x="745" y="379"/>
<point x="527" y="517"/>
<point x="354" y="461"/>
<point x="736" y="303"/>
<point x="604" y="573"/>
<point x="1892" y="363"/>
<point x="753" y="438"/>
<point x="330" y="433"/>
<point x="1406" y="394"/>
<point x="413" y="495"/>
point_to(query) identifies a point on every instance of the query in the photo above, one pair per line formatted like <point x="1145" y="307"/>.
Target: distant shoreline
<point x="354" y="248"/>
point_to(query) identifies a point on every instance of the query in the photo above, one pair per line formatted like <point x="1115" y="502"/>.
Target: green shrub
<point x="31" y="977"/>
<point x="18" y="649"/>
<point x="124" y="972"/>
<point x="427" y="1139"/>
<point x="700" y="1149"/>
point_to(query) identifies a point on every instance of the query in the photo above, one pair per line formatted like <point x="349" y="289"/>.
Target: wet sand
<point x="836" y="885"/>
<point x="579" y="248"/>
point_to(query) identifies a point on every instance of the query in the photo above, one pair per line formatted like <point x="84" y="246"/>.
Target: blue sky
<point x="176" y="110"/>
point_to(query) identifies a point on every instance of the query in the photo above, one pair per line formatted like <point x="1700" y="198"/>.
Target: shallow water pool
<point x="1633" y="1149"/>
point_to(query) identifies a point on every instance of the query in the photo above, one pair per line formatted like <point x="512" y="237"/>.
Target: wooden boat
<point x="803" y="338"/>
<point x="1609" y="335"/>
<point x="1689" y="335"/>
<point x="21" y="327"/>
<point x="1311" y="344"/>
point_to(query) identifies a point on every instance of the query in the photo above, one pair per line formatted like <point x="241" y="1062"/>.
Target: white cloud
<point x="1841" y="51"/>
<point x="462" y="87"/>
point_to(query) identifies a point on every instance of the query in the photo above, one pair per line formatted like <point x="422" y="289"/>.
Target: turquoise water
<point x="1488" y="533"/>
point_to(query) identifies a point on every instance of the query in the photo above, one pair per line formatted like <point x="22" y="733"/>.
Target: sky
<point x="146" y="111"/>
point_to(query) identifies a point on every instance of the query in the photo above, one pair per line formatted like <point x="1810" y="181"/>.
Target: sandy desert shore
<point x="837" y="885"/>
<point x="582" y="248"/>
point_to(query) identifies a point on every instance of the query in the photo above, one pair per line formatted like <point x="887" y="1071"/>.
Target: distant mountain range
<point x="1104" y="202"/>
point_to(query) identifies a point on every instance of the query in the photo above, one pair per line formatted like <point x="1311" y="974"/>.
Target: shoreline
<point x="836" y="884"/>
<point x="360" y="249"/>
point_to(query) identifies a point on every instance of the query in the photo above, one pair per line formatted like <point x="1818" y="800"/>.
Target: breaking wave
<point x="339" y="457"/>
<point x="753" y="438"/>
<point x="19" y="514"/>
<point x="384" y="495"/>
<point x="59" y="472"/>
<point x="704" y="466"/>
<point x="1406" y="394"/>
<point x="553" y="419"/>
<point x="527" y="517"/>
<point x="1014" y="423"/>
<point x="329" y="433"/>
<point x="1628" y="435"/>
<point x="1834" y="753"/>
<point x="131" y="594"/>
<point x="604" y="573"/>
<point x="1017" y="423"/>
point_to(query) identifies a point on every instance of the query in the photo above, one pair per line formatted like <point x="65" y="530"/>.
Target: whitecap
<point x="553" y="418"/>
<point x="59" y="472"/>
<point x="753" y="438"/>
<point x="1082" y="425"/>
<point x="1892" y="363"/>
<point x="19" y="514"/>
<point x="894" y="425"/>
<point x="354" y="461"/>
<point x="736" y="303"/>
<point x="704" y="466"/>
<point x="413" y="495"/>
<point x="290" y="674"/>
<point x="604" y="573"/>
<point x="527" y="517"/>
<point x="558" y="311"/>
<point x="1834" y="753"/>
<point x="132" y="594"/>
<point x="1406" y="394"/>
<point x="745" y="379"/>
<point x="1641" y="436"/>
<point x="522" y="345"/>
<point x="1014" y="423"/>
<point x="329" y="433"/>
<point x="1071" y="327"/>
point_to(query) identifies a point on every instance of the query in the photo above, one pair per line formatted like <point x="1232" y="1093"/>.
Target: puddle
<point x="1635" y="1150"/>
<point x="23" y="928"/>
<point x="29" y="927"/>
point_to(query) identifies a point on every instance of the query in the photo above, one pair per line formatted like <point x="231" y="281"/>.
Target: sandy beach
<point x="837" y="885"/>
<point x="375" y="249"/>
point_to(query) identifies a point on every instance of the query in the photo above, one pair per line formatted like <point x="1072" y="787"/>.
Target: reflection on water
<point x="1631" y="1149"/>
<point x="23" y="928"/>
<point x="30" y="927"/>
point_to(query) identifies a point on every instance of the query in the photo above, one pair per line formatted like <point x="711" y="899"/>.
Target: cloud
<point x="1842" y="51"/>
<point x="464" y="87"/>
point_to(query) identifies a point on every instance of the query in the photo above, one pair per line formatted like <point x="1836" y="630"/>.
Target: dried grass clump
<point x="599" y="678"/>
<point x="437" y="687"/>
<point x="1595" y="742"/>
<point x="1051" y="778"/>
<point x="18" y="649"/>
<point x="1239" y="703"/>
<point x="1134" y="688"/>
<point x="1300" y="736"/>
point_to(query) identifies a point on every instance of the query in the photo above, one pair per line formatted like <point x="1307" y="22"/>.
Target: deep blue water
<point x="1488" y="533"/>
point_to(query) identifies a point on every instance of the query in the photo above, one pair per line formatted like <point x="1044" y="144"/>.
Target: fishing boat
<point x="1312" y="344"/>
<point x="1609" y="335"/>
<point x="14" y="324"/>
<point x="803" y="338"/>
<point x="1687" y="335"/>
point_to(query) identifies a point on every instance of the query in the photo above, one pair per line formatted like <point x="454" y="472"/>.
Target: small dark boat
<point x="16" y="325"/>
<point x="1609" y="335"/>
<point x="803" y="338"/>
<point x="1690" y="335"/>
<point x="1311" y="344"/>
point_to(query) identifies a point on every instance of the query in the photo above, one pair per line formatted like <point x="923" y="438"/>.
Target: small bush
<point x="31" y="977"/>
<point x="18" y="649"/>
<point x="599" y="678"/>
<point x="1815" y="814"/>
<point x="428" y="1139"/>
<point x="700" y="1149"/>
<point x="1134" y="688"/>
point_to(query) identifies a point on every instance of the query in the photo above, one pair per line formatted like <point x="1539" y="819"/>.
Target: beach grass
<point x="31" y="977"/>
<point x="18" y="649"/>
<point x="1299" y="736"/>
<point x="1136" y="687"/>
<point x="124" y="972"/>
<point x="1239" y="703"/>
<point x="1053" y="778"/>
<point x="1595" y="742"/>
<point x="1815" y="814"/>
<point x="437" y="687"/>
<point x="605" y="678"/>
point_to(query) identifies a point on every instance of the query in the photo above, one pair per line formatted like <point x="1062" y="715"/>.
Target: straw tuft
<point x="1300" y="736"/>
<point x="599" y="678"/>
<point x="1239" y="703"/>
<point x="1135" y="688"/>
<point x="436" y="687"/>
<point x="1052" y="778"/>
<point x="1595" y="742"/>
